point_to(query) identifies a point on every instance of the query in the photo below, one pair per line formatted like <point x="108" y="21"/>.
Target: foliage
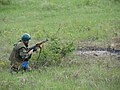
<point x="78" y="20"/>
<point x="5" y="2"/>
<point x="53" y="52"/>
<point x="117" y="0"/>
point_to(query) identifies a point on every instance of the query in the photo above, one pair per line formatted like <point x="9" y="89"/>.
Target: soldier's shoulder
<point x="20" y="45"/>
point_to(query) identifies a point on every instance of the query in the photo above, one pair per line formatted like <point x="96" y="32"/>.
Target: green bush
<point x="117" y="0"/>
<point x="52" y="53"/>
<point x="5" y="2"/>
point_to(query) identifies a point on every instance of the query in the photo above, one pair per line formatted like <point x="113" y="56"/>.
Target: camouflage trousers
<point x="16" y="66"/>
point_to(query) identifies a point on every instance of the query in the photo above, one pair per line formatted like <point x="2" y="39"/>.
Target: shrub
<point x="53" y="53"/>
<point x="5" y="2"/>
<point x="117" y="0"/>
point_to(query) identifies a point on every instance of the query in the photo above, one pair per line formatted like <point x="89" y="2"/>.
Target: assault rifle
<point x="37" y="45"/>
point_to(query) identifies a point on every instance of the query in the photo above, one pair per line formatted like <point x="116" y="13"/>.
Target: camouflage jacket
<point x="19" y="52"/>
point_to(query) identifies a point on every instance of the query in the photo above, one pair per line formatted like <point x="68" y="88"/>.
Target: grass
<point x="76" y="20"/>
<point x="75" y="74"/>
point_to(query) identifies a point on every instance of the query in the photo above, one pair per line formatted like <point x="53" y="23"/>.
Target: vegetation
<point x="65" y="23"/>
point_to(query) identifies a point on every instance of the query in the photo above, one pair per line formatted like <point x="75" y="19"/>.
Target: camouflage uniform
<point x="18" y="55"/>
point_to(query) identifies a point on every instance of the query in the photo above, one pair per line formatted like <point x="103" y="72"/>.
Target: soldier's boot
<point x="28" y="68"/>
<point x="13" y="69"/>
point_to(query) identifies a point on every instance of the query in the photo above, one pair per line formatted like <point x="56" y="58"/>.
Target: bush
<point x="53" y="53"/>
<point x="117" y="0"/>
<point x="5" y="2"/>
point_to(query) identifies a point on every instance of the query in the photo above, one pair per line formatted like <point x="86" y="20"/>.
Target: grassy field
<point x="69" y="20"/>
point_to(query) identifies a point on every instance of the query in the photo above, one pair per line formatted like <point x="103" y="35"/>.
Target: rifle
<point x="37" y="45"/>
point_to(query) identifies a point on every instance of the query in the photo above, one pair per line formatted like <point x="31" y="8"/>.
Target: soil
<point x="97" y="52"/>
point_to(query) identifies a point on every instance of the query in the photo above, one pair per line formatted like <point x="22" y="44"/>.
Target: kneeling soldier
<point x="19" y="56"/>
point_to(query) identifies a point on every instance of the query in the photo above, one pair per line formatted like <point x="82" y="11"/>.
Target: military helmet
<point x="26" y="37"/>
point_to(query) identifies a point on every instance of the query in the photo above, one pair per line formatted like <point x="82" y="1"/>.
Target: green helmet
<point x="26" y="37"/>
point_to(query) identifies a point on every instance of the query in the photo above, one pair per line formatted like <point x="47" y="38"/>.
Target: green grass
<point x="94" y="20"/>
<point x="74" y="74"/>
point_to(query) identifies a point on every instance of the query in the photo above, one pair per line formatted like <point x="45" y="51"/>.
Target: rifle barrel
<point x="40" y="43"/>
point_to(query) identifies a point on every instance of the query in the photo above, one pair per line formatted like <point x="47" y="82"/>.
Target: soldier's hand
<point x="40" y="46"/>
<point x="30" y="52"/>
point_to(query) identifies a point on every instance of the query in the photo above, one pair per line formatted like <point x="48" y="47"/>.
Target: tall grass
<point x="75" y="73"/>
<point x="76" y="20"/>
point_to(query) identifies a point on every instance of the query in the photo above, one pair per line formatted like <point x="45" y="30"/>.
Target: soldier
<point x="19" y="56"/>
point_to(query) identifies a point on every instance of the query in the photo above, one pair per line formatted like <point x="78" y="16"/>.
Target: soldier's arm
<point x="24" y="54"/>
